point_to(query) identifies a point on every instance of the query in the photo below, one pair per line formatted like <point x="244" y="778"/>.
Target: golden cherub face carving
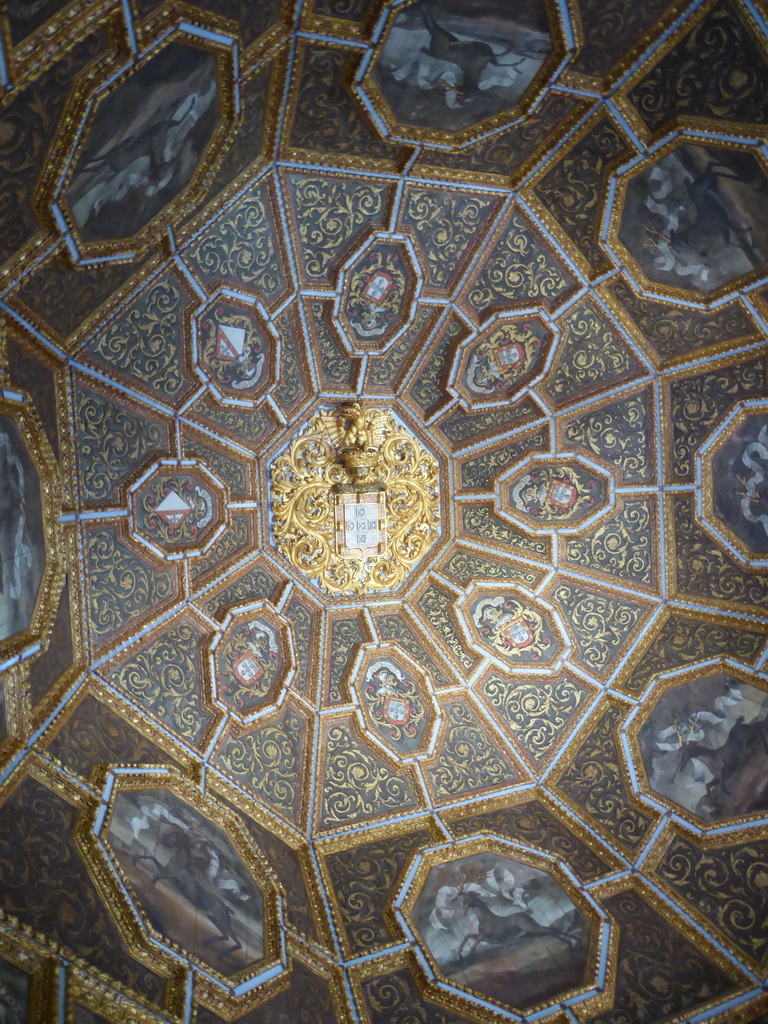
<point x="354" y="500"/>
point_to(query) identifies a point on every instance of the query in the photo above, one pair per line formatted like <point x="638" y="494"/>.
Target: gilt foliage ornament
<point x="350" y="462"/>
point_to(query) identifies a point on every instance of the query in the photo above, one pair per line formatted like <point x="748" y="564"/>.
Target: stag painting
<point x="705" y="747"/>
<point x="451" y="64"/>
<point x="491" y="922"/>
<point x="695" y="218"/>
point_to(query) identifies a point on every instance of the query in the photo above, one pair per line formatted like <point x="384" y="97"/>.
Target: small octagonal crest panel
<point x="514" y="626"/>
<point x="149" y="138"/>
<point x="395" y="701"/>
<point x="178" y="508"/>
<point x="496" y="914"/>
<point x="253" y="662"/>
<point x="193" y="887"/>
<point x="702" y="744"/>
<point x="236" y="349"/>
<point x="376" y="300"/>
<point x="504" y="358"/>
<point x="445" y="73"/>
<point x="561" y="492"/>
<point x="691" y="219"/>
<point x="735" y="484"/>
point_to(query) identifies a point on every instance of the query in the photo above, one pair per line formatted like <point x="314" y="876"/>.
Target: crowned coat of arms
<point x="393" y="704"/>
<point x="501" y="358"/>
<point x="512" y="628"/>
<point x="355" y="500"/>
<point x="253" y="660"/>
<point x="377" y="292"/>
<point x="554" y="493"/>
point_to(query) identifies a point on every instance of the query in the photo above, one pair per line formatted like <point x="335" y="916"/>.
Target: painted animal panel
<point x="22" y="542"/>
<point x="502" y="928"/>
<point x="451" y="65"/>
<point x="14" y="994"/>
<point x="705" y="747"/>
<point x="188" y="879"/>
<point x="698" y="218"/>
<point x="740" y="483"/>
<point x="144" y="143"/>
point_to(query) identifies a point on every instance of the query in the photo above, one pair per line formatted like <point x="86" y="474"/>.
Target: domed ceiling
<point x="383" y="512"/>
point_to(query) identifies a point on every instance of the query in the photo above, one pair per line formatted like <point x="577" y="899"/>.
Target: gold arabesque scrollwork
<point x="356" y="447"/>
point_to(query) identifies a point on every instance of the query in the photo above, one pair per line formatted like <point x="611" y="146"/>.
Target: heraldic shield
<point x="361" y="523"/>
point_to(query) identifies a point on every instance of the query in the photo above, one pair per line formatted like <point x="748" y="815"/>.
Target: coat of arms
<point x="377" y="292"/>
<point x="502" y="357"/>
<point x="554" y="493"/>
<point x="512" y="628"/>
<point x="232" y="352"/>
<point x="393" y="704"/>
<point x="355" y="500"/>
<point x="175" y="509"/>
<point x="360" y="502"/>
<point x="361" y="518"/>
<point x="251" y="660"/>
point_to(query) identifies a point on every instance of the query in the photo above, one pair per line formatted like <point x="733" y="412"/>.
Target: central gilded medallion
<point x="354" y="500"/>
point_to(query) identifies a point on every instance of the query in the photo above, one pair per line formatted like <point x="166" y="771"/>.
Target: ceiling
<point x="513" y="766"/>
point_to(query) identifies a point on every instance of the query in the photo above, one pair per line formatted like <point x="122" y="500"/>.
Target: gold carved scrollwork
<point x="330" y="213"/>
<point x="305" y="480"/>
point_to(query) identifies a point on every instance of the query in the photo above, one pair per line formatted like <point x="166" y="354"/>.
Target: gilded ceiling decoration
<point x="383" y="512"/>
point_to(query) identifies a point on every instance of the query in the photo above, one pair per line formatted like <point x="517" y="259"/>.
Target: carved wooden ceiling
<point x="517" y="769"/>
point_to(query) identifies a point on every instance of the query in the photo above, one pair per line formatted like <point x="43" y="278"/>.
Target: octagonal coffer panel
<point x="514" y="626"/>
<point x="177" y="508"/>
<point x="688" y="219"/>
<point x="501" y="924"/>
<point x="200" y="890"/>
<point x="376" y="293"/>
<point x="555" y="492"/>
<point x="734" y="480"/>
<point x="444" y="70"/>
<point x="22" y="538"/>
<point x="150" y="137"/>
<point x="505" y="357"/>
<point x="703" y="744"/>
<point x="396" y="701"/>
<point x="253" y="662"/>
<point x="237" y="351"/>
